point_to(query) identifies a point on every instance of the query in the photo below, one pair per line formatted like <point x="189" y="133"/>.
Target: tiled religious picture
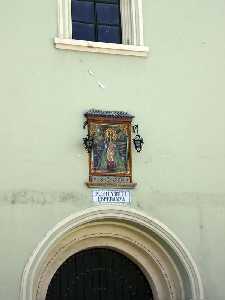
<point x="111" y="148"/>
<point x="110" y="154"/>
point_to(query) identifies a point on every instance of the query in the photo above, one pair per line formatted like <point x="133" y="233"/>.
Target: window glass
<point x="109" y="34"/>
<point x="96" y="20"/>
<point x="83" y="31"/>
<point x="83" y="11"/>
<point x="108" y="14"/>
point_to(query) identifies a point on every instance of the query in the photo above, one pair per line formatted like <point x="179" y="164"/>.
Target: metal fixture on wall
<point x="137" y="140"/>
<point x="88" y="142"/>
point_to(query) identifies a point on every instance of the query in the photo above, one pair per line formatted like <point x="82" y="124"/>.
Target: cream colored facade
<point x="177" y="96"/>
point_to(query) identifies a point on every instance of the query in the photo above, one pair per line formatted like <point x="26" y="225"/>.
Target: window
<point x="96" y="20"/>
<point x="106" y="26"/>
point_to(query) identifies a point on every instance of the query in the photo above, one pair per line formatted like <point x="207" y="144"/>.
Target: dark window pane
<point x="83" y="11"/>
<point x="96" y="20"/>
<point x="108" y="14"/>
<point x="102" y="1"/>
<point x="109" y="34"/>
<point x="83" y="31"/>
<point x="108" y="1"/>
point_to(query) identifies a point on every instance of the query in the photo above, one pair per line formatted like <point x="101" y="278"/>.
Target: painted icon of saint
<point x="110" y="158"/>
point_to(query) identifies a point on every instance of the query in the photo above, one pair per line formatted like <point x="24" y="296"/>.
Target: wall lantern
<point x="108" y="143"/>
<point x="137" y="140"/>
<point x="88" y="142"/>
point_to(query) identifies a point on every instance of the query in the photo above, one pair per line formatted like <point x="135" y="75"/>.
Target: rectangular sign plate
<point x="111" y="196"/>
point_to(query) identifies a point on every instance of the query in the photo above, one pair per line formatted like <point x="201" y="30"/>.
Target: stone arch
<point x="163" y="258"/>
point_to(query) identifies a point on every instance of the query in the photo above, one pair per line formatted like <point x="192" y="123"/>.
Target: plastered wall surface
<point x="177" y="95"/>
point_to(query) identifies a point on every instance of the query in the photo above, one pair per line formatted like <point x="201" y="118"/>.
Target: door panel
<point x="99" y="274"/>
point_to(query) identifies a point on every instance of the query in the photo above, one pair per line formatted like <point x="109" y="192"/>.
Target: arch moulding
<point x="166" y="263"/>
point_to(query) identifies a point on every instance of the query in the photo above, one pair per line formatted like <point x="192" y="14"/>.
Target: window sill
<point x="97" y="47"/>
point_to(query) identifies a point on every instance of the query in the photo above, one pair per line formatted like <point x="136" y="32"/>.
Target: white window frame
<point x="132" y="31"/>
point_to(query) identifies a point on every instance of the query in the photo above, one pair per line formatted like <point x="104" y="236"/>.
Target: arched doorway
<point x="160" y="255"/>
<point x="99" y="274"/>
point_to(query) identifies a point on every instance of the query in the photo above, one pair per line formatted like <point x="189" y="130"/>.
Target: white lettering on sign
<point x="111" y="196"/>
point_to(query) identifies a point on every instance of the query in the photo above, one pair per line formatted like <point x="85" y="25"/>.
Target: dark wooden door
<point x="99" y="274"/>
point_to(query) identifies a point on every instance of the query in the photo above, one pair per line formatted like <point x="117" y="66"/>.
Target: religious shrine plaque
<point x="110" y="161"/>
